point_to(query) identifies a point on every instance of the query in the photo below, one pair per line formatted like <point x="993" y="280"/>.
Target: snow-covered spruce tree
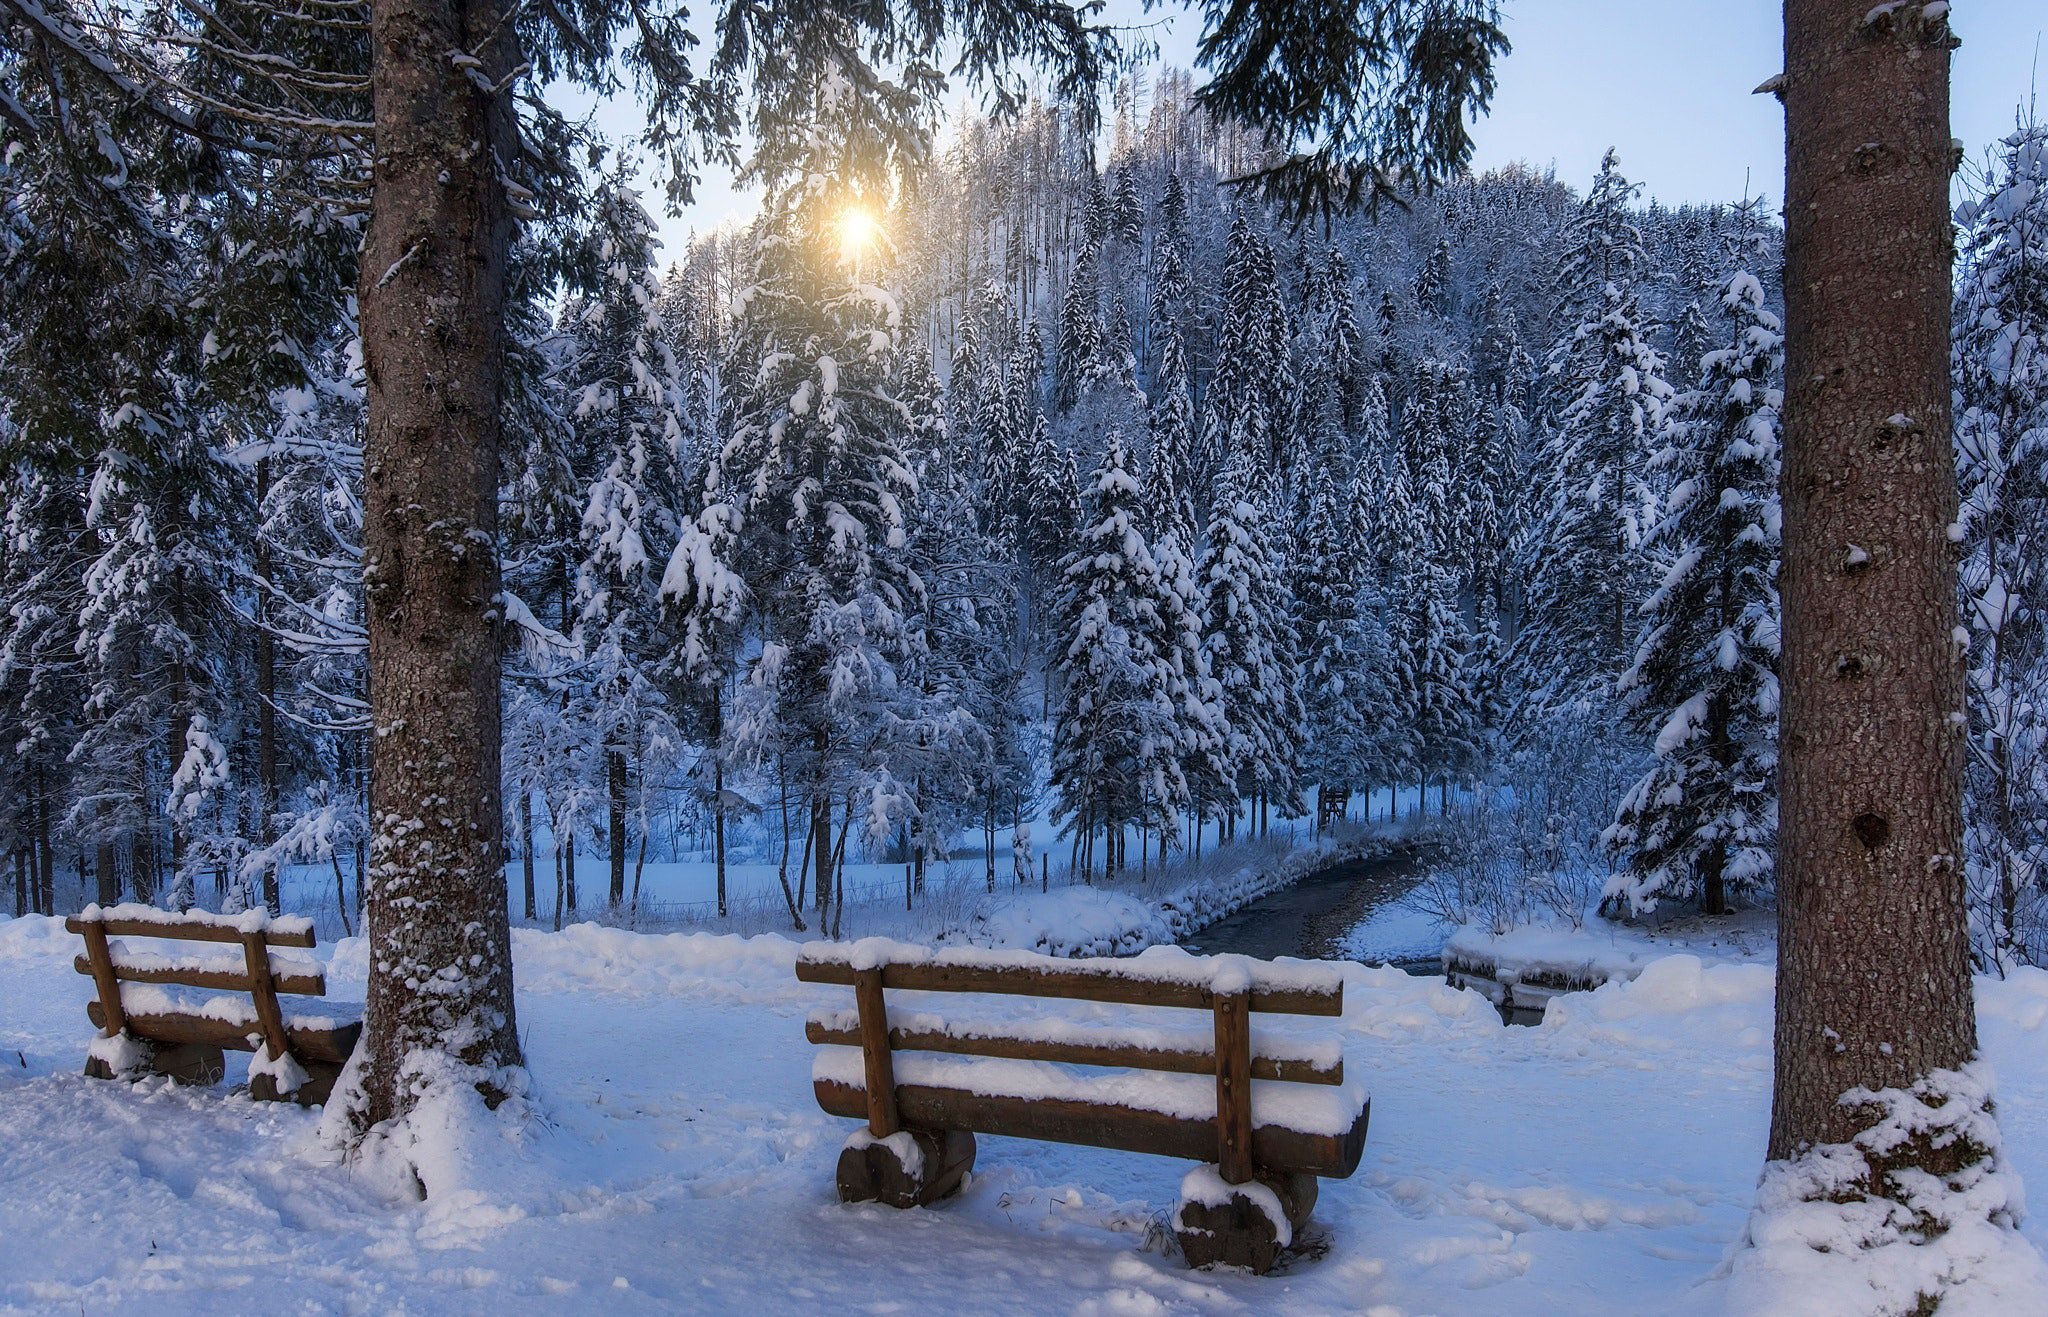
<point x="153" y="632"/>
<point x="625" y="404"/>
<point x="312" y="772"/>
<point x="1170" y="500"/>
<point x="1434" y="690"/>
<point x="1126" y="212"/>
<point x="1246" y="643"/>
<point x="1108" y="399"/>
<point x="1607" y="397"/>
<point x="1274" y="783"/>
<point x="970" y="767"/>
<point x="1049" y="512"/>
<point x="2001" y="383"/>
<point x="1116" y="759"/>
<point x="42" y="570"/>
<point x="1432" y="693"/>
<point x="1701" y="822"/>
<point x="1247" y="395"/>
<point x="1433" y="281"/>
<point x="1078" y="349"/>
<point x="1173" y="289"/>
<point x="1342" y="338"/>
<point x="809" y="491"/>
<point x="1333" y="646"/>
<point x="1170" y="470"/>
<point x="1326" y="567"/>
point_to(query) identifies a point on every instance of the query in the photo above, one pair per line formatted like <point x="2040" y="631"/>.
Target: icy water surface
<point x="1311" y="918"/>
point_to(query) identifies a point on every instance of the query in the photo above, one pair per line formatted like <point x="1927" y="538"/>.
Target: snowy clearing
<point x="1600" y="1163"/>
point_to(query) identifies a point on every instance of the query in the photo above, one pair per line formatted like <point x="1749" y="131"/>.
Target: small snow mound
<point x="1669" y="986"/>
<point x="1385" y="1002"/>
<point x="2020" y="999"/>
<point x="594" y="957"/>
<point x="1069" y="923"/>
<point x="36" y="937"/>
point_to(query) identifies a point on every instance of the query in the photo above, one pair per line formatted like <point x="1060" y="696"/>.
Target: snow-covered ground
<point x="1600" y="1163"/>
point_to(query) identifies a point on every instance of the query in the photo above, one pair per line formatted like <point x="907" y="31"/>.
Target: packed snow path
<point x="1597" y="1164"/>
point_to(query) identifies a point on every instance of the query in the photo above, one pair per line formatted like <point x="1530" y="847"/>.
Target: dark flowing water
<point x="1311" y="918"/>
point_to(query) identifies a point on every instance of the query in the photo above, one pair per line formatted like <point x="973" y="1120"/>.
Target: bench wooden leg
<point x="910" y="1168"/>
<point x="190" y="1063"/>
<point x="119" y="1056"/>
<point x="1241" y="1225"/>
<point x="187" y="1063"/>
<point x="319" y="1083"/>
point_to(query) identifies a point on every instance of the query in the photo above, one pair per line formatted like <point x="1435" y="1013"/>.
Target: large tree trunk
<point x="432" y="312"/>
<point x="1874" y="976"/>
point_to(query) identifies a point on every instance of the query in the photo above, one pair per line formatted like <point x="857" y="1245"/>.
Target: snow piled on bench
<point x="1116" y="1027"/>
<point x="237" y="1008"/>
<point x="1160" y="964"/>
<point x="148" y="959"/>
<point x="1321" y="1109"/>
<point x="253" y="920"/>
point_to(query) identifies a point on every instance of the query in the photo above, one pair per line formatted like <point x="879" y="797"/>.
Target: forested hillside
<point x="1069" y="484"/>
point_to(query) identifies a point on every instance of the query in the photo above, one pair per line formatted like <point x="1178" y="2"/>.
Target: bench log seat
<point x="1265" y="1113"/>
<point x="152" y="1021"/>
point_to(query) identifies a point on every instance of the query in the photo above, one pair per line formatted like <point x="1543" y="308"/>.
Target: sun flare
<point x="859" y="231"/>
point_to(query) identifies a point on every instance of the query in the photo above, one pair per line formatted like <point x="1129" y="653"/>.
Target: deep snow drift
<point x="1600" y="1163"/>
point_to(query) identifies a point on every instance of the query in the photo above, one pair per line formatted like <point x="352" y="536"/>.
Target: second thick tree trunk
<point x="1873" y="978"/>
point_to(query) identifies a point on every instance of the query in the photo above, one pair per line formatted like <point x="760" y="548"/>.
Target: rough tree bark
<point x="1874" y="975"/>
<point x="431" y="300"/>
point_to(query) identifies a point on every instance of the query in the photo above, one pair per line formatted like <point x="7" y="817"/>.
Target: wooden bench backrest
<point x="1232" y="1059"/>
<point x="257" y="976"/>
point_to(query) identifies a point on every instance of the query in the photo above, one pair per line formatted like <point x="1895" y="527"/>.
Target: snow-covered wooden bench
<point x="1266" y="1111"/>
<point x="146" y="1027"/>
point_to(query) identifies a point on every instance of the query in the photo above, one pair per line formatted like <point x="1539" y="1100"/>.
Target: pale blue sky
<point x="1667" y="82"/>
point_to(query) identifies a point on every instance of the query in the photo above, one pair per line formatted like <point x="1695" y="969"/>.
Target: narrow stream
<point x="1311" y="918"/>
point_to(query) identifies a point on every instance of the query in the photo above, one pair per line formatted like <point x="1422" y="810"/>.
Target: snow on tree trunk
<point x="1881" y="1136"/>
<point x="438" y="1022"/>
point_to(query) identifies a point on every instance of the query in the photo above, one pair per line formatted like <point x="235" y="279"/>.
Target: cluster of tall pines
<point x="1069" y="484"/>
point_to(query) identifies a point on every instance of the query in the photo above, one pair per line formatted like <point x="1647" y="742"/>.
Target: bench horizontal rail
<point x="1077" y="985"/>
<point x="187" y="932"/>
<point x="332" y="1044"/>
<point x="1126" y="1056"/>
<point x="288" y="982"/>
<point x="1099" y="1125"/>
